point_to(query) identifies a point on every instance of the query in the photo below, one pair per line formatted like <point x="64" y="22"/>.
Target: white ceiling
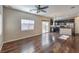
<point x="53" y="10"/>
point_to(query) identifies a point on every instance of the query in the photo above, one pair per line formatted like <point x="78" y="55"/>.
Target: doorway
<point x="45" y="26"/>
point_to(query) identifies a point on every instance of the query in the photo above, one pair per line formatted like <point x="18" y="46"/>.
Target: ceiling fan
<point x="39" y="8"/>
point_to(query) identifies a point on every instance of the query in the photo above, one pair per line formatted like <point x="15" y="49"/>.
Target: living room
<point x="39" y="29"/>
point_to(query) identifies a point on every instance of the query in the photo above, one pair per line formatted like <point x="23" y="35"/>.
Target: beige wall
<point x="12" y="24"/>
<point x="77" y="25"/>
<point x="1" y="26"/>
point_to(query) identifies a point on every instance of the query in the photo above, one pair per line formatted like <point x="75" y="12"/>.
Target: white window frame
<point x="29" y="24"/>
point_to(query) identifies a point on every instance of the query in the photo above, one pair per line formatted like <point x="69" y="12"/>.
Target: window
<point x="27" y="24"/>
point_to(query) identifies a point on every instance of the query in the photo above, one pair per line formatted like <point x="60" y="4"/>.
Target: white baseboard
<point x="20" y="38"/>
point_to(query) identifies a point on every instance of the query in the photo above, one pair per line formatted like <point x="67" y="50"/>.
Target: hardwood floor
<point x="45" y="43"/>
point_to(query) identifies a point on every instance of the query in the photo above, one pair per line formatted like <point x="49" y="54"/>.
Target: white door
<point x="45" y="26"/>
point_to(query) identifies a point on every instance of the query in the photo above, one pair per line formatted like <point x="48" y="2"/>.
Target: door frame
<point x="48" y="25"/>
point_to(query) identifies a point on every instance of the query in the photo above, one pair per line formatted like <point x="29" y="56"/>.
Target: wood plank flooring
<point x="45" y="43"/>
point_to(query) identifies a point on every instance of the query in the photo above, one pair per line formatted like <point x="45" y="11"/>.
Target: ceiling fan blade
<point x="33" y="9"/>
<point x="44" y="7"/>
<point x="38" y="11"/>
<point x="37" y="6"/>
<point x="43" y="10"/>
